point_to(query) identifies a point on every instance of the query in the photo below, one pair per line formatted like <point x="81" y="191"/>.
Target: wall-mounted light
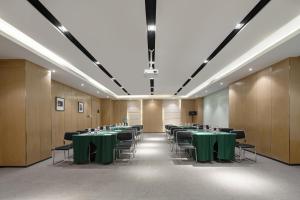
<point x="250" y="69"/>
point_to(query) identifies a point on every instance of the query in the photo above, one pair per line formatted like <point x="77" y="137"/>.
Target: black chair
<point x="226" y="130"/>
<point x="125" y="142"/>
<point x="66" y="147"/>
<point x="243" y="146"/>
<point x="82" y="132"/>
<point x="168" y="130"/>
<point x="173" y="131"/>
<point x="138" y="132"/>
<point x="184" y="141"/>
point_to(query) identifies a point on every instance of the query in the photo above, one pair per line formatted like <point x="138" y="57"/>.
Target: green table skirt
<point x="104" y="148"/>
<point x="205" y="143"/>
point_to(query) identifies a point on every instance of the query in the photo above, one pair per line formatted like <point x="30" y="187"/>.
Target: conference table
<point x="208" y="143"/>
<point x="113" y="128"/>
<point x="104" y="142"/>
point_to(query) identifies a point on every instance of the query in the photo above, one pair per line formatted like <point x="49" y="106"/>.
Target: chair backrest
<point x="68" y="135"/>
<point x="81" y="132"/>
<point x="175" y="129"/>
<point x="191" y="127"/>
<point x="227" y="130"/>
<point x="184" y="136"/>
<point x="137" y="127"/>
<point x="200" y="126"/>
<point x="239" y="134"/>
<point x="125" y="135"/>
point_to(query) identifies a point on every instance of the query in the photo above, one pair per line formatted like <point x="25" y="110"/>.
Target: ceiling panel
<point x="188" y="32"/>
<point x="113" y="31"/>
<point x="27" y="19"/>
<point x="273" y="16"/>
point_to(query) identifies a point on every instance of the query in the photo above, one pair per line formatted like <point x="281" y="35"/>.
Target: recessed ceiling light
<point x="62" y="28"/>
<point x="205" y="61"/>
<point x="82" y="84"/>
<point x="53" y="71"/>
<point x="239" y="26"/>
<point x="250" y="69"/>
<point x="151" y="28"/>
<point x="221" y="83"/>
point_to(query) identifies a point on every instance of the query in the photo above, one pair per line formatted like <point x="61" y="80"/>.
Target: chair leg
<point x="179" y="150"/>
<point x="240" y="154"/>
<point x="53" y="157"/>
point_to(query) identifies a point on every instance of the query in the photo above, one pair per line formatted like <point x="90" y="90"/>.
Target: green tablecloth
<point x="104" y="142"/>
<point x="205" y="142"/>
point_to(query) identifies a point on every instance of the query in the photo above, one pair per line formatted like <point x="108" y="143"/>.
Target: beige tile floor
<point x="155" y="174"/>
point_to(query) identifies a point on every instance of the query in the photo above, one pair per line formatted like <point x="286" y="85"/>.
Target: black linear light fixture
<point x="54" y="21"/>
<point x="150" y="6"/>
<point x="258" y="7"/>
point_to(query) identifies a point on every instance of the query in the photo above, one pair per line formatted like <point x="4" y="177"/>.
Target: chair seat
<point x="245" y="146"/>
<point x="125" y="142"/>
<point x="64" y="147"/>
<point x="186" y="146"/>
<point x="124" y="145"/>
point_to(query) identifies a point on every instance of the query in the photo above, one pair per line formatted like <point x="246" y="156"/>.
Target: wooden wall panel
<point x="12" y="115"/>
<point x="119" y="111"/>
<point x="199" y="108"/>
<point x="273" y="97"/>
<point x="152" y="116"/>
<point x="249" y="109"/>
<point x="106" y="112"/>
<point x="263" y="112"/>
<point x="83" y="119"/>
<point x="38" y="113"/>
<point x="280" y="110"/>
<point x="295" y="111"/>
<point x="58" y="117"/>
<point x="186" y="106"/>
<point x="70" y="119"/>
<point x="95" y="112"/>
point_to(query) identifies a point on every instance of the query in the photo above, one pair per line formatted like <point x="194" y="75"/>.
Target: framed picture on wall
<point x="59" y="104"/>
<point x="80" y="107"/>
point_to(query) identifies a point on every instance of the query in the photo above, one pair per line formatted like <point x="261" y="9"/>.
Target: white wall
<point x="134" y="112"/>
<point x="216" y="109"/>
<point x="171" y="112"/>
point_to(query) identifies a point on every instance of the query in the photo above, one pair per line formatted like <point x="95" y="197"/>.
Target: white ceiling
<point x="114" y="32"/>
